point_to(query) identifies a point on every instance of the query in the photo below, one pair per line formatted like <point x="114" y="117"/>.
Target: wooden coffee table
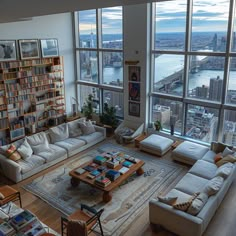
<point x="76" y="178"/>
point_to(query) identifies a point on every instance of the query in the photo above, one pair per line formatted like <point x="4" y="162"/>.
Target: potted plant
<point x="157" y="125"/>
<point x="87" y="108"/>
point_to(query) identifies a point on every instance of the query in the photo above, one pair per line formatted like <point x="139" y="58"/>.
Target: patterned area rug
<point x="128" y="200"/>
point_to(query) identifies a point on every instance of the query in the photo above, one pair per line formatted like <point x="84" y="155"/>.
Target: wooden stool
<point x="10" y="194"/>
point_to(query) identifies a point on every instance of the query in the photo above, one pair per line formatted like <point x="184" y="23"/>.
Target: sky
<point x="170" y="17"/>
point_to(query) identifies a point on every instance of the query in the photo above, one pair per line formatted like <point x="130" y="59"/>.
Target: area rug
<point x="128" y="200"/>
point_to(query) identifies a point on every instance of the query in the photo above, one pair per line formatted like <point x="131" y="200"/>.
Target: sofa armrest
<point x="100" y="129"/>
<point x="10" y="169"/>
<point x="174" y="220"/>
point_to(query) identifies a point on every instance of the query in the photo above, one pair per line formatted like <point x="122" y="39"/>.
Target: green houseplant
<point x="87" y="109"/>
<point x="157" y="125"/>
<point x="108" y="117"/>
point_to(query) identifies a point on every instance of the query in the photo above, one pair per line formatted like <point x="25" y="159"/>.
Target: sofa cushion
<point x="209" y="156"/>
<point x="189" y="152"/>
<point x="71" y="144"/>
<point x="224" y="170"/>
<point x="170" y="200"/>
<point x="181" y="196"/>
<point x="91" y="137"/>
<point x="197" y="204"/>
<point x="204" y="169"/>
<point x="74" y="128"/>
<point x="59" y="133"/>
<point x="227" y="151"/>
<point x="191" y="184"/>
<point x="213" y="185"/>
<point x="25" y="150"/>
<point x="87" y="127"/>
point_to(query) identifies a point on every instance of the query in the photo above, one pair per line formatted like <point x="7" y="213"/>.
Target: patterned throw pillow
<point x="228" y="158"/>
<point x="218" y="157"/>
<point x="170" y="200"/>
<point x="183" y="206"/>
<point x="12" y="153"/>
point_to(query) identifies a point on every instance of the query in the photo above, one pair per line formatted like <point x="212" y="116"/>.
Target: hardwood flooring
<point x="222" y="224"/>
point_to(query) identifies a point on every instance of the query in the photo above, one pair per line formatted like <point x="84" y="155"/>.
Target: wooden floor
<point x="222" y="224"/>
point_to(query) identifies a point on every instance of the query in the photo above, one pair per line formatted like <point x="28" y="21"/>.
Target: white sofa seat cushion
<point x="90" y="137"/>
<point x="189" y="152"/>
<point x="204" y="169"/>
<point x="181" y="196"/>
<point x="52" y="153"/>
<point x="156" y="143"/>
<point x="31" y="163"/>
<point x="191" y="184"/>
<point x="70" y="144"/>
<point x="209" y="156"/>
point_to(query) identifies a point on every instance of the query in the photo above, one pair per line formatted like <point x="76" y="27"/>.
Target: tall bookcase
<point x="31" y="96"/>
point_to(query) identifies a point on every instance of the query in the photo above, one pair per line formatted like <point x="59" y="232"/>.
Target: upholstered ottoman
<point x="189" y="152"/>
<point x="156" y="144"/>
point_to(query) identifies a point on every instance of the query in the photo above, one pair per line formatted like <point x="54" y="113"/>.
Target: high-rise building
<point x="215" y="89"/>
<point x="202" y="92"/>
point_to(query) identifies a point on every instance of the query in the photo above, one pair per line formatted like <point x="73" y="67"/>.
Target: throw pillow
<point x="228" y="158"/>
<point x="227" y="151"/>
<point x="87" y="127"/>
<point x="59" y="133"/>
<point x="170" y="200"/>
<point x="74" y="129"/>
<point x="197" y="204"/>
<point x="224" y="170"/>
<point x="12" y="153"/>
<point x="218" y="157"/>
<point x="25" y="150"/>
<point x="213" y="185"/>
<point x="183" y="206"/>
<point x="1" y="196"/>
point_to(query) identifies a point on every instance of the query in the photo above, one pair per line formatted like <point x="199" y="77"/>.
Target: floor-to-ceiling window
<point x="193" y="88"/>
<point x="99" y="57"/>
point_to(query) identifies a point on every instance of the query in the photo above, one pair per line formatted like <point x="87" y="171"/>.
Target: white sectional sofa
<point x="42" y="150"/>
<point x="205" y="177"/>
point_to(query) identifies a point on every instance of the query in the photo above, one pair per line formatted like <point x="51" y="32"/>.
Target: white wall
<point x="53" y="26"/>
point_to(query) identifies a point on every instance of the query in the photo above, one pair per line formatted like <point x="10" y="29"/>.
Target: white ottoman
<point x="156" y="144"/>
<point x="189" y="152"/>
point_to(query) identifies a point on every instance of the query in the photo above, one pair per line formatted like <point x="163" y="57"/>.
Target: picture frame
<point x="134" y="91"/>
<point x="8" y="50"/>
<point x="134" y="109"/>
<point x="29" y="48"/>
<point x="134" y="73"/>
<point x="49" y="47"/>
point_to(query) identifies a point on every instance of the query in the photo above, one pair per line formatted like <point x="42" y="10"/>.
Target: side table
<point x="138" y="139"/>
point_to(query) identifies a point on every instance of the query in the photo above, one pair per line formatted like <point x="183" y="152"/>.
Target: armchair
<point x="127" y="131"/>
<point x="81" y="222"/>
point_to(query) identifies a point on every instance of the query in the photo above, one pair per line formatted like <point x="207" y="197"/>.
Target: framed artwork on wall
<point x="134" y="73"/>
<point x="49" y="47"/>
<point x="134" y="109"/>
<point x="29" y="48"/>
<point x="7" y="50"/>
<point x="134" y="91"/>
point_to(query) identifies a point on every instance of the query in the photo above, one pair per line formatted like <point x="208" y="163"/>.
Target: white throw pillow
<point x="25" y="150"/>
<point x="74" y="129"/>
<point x="59" y="133"/>
<point x="213" y="185"/>
<point x="227" y="151"/>
<point x="224" y="170"/>
<point x="170" y="200"/>
<point x="197" y="204"/>
<point x="87" y="127"/>
<point x="38" y="142"/>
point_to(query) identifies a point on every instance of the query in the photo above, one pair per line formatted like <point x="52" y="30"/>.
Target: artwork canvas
<point x="7" y="50"/>
<point x="134" y="73"/>
<point x="134" y="109"/>
<point x="49" y="47"/>
<point x="29" y="49"/>
<point x="134" y="91"/>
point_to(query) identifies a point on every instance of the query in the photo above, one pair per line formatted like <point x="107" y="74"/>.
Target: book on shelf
<point x="112" y="174"/>
<point x="6" y="229"/>
<point x="102" y="181"/>
<point x="127" y="164"/>
<point x="80" y="171"/>
<point x="123" y="170"/>
<point x="99" y="160"/>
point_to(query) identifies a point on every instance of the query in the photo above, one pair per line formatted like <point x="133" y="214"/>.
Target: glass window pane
<point x="112" y="30"/>
<point x="87" y="29"/>
<point x="231" y="91"/>
<point x="170" y="23"/>
<point x="88" y="66"/>
<point x="84" y="92"/>
<point x="115" y="99"/>
<point x="229" y="132"/>
<point x="209" y="25"/>
<point x="168" y="74"/>
<point x="168" y="112"/>
<point x="113" y="68"/>
<point x="206" y="77"/>
<point x="201" y="123"/>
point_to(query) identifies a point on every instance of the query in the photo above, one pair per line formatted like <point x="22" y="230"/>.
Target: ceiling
<point x="15" y="10"/>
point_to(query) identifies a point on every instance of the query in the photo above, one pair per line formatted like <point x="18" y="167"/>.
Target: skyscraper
<point x="215" y="89"/>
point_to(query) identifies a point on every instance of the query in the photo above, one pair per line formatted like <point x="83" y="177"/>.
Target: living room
<point x="43" y="24"/>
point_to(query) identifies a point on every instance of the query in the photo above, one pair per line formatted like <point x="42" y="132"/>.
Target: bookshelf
<point x="32" y="95"/>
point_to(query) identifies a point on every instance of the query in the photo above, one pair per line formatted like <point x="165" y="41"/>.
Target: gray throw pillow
<point x="213" y="185"/>
<point x="25" y="150"/>
<point x="87" y="127"/>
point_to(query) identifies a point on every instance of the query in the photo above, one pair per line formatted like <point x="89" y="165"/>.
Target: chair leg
<point x="20" y="199"/>
<point x="100" y="225"/>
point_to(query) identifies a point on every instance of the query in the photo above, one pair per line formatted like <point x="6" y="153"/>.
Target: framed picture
<point x="134" y="73"/>
<point x="7" y="50"/>
<point x="134" y="91"/>
<point x="134" y="109"/>
<point x="29" y="48"/>
<point x="49" y="48"/>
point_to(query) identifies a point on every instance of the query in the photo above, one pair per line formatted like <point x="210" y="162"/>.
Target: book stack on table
<point x="112" y="174"/>
<point x="6" y="229"/>
<point x="112" y="163"/>
<point x="102" y="181"/>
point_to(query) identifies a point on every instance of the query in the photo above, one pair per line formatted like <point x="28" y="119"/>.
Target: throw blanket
<point x="124" y="131"/>
<point x="77" y="227"/>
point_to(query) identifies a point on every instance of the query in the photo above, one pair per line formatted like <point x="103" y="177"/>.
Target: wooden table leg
<point x="107" y="196"/>
<point x="140" y="171"/>
<point x="74" y="182"/>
